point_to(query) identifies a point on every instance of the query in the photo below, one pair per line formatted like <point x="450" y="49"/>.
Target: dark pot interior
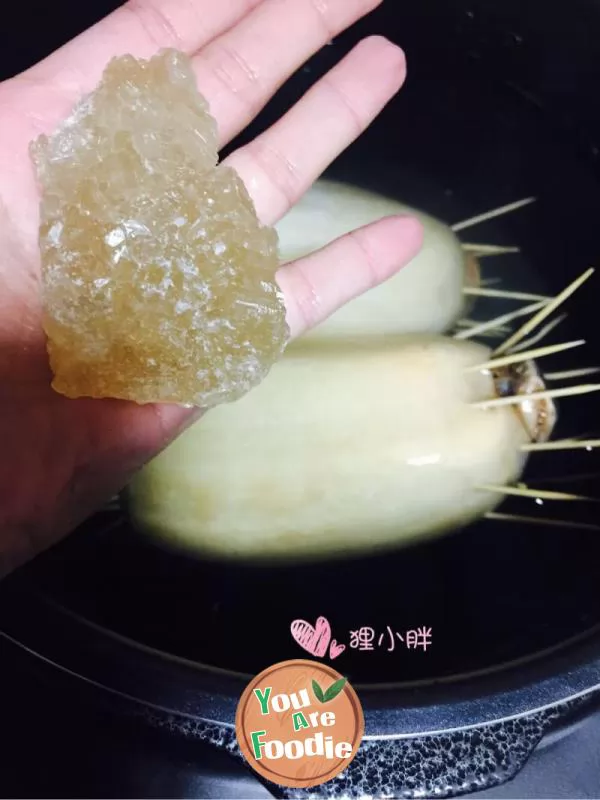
<point x="500" y="103"/>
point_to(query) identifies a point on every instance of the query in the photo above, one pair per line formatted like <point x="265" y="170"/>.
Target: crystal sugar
<point x="158" y="279"/>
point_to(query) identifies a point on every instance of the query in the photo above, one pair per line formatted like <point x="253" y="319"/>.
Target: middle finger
<point x="241" y="70"/>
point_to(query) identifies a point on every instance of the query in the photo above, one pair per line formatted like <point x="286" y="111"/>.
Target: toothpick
<point x="467" y="323"/>
<point x="493" y="334"/>
<point x="498" y="322"/>
<point x="496" y="212"/>
<point x="533" y="323"/>
<point x="575" y="477"/>
<point x="489" y="249"/>
<point x="483" y="292"/>
<point x="114" y="504"/>
<point x="559" y="523"/>
<point x="475" y="323"/>
<point x="490" y="282"/>
<point x="537" y="494"/>
<point x="561" y="444"/>
<point x="570" y="373"/>
<point x="587" y="435"/>
<point x="528" y="355"/>
<point x="539" y="336"/>
<point x="570" y="391"/>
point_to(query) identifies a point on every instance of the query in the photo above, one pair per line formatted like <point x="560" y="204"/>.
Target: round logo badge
<point x="299" y="723"/>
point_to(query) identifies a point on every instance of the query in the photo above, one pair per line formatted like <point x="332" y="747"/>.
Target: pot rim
<point x="182" y="688"/>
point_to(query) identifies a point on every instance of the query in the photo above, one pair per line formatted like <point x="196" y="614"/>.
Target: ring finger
<point x="282" y="163"/>
<point x="241" y="70"/>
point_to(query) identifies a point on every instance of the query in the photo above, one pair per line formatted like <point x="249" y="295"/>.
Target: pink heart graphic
<point x="336" y="649"/>
<point x="314" y="640"/>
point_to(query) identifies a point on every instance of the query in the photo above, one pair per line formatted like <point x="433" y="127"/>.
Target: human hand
<point x="62" y="458"/>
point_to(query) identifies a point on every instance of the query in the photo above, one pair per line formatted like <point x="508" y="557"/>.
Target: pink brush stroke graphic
<point x="336" y="649"/>
<point x="315" y="640"/>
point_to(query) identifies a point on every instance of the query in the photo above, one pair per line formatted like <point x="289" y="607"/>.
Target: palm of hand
<point x="57" y="453"/>
<point x="61" y="458"/>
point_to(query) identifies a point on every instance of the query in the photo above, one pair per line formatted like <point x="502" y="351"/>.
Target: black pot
<point x="501" y="103"/>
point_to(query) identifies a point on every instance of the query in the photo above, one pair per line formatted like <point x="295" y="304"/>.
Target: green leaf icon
<point x="318" y="692"/>
<point x="334" y="690"/>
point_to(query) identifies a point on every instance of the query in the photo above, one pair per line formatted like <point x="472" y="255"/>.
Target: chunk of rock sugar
<point x="158" y="279"/>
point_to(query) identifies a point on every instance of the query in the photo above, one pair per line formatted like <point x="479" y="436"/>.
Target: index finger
<point x="140" y="28"/>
